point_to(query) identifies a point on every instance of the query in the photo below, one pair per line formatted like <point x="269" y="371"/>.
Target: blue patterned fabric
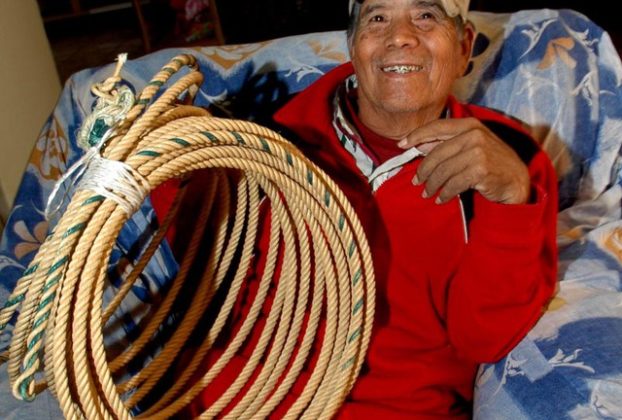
<point x="555" y="70"/>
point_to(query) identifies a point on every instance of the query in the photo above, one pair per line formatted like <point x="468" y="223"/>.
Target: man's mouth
<point x="402" y="69"/>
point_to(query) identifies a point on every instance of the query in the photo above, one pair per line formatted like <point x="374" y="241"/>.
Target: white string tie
<point x="76" y="171"/>
<point x="117" y="181"/>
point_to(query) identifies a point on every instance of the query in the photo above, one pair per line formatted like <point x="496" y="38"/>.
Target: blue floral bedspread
<point x="555" y="70"/>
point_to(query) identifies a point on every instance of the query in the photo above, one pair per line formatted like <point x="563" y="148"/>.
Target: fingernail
<point x="438" y="200"/>
<point x="416" y="180"/>
<point x="402" y="143"/>
<point x="424" y="194"/>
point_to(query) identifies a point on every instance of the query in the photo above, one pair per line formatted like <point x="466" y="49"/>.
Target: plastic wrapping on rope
<point x="58" y="341"/>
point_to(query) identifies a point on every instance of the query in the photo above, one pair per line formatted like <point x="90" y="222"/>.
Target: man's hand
<point x="461" y="154"/>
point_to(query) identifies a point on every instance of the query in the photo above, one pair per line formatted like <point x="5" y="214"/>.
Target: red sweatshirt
<point x="443" y="305"/>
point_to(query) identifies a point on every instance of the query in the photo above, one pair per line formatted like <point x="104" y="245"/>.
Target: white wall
<point x="29" y="87"/>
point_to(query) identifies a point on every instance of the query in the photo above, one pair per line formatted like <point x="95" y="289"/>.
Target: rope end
<point x="121" y="60"/>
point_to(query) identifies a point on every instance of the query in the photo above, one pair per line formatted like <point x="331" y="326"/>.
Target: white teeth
<point x="401" y="69"/>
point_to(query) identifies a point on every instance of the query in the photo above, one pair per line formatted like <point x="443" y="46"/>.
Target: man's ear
<point x="466" y="46"/>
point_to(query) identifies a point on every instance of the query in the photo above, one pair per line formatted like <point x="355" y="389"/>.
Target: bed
<point x="555" y="70"/>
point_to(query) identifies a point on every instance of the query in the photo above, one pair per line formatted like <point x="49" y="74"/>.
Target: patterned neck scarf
<point x="347" y="133"/>
<point x="352" y="141"/>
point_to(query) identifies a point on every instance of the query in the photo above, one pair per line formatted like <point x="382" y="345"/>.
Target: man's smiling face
<point x="406" y="54"/>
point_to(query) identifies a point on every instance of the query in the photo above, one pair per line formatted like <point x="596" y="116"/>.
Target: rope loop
<point x="317" y="267"/>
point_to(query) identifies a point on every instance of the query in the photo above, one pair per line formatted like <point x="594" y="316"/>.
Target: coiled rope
<point x="59" y="337"/>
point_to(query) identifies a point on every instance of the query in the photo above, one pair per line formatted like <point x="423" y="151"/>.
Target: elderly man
<point x="458" y="203"/>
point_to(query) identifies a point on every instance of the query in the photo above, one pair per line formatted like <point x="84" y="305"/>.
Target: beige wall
<point x="29" y="89"/>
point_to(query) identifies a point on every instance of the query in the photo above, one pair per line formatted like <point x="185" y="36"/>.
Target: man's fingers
<point x="426" y="148"/>
<point x="442" y="152"/>
<point x="439" y="130"/>
<point x="473" y="158"/>
<point x="454" y="168"/>
<point x="455" y="185"/>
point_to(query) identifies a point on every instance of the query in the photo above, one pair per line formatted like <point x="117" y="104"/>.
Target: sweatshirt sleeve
<point x="508" y="271"/>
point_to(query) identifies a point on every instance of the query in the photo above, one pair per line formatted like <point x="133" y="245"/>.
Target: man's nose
<point x="402" y="33"/>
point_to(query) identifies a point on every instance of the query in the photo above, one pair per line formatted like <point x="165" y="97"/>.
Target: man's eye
<point x="377" y="18"/>
<point x="426" y="16"/>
